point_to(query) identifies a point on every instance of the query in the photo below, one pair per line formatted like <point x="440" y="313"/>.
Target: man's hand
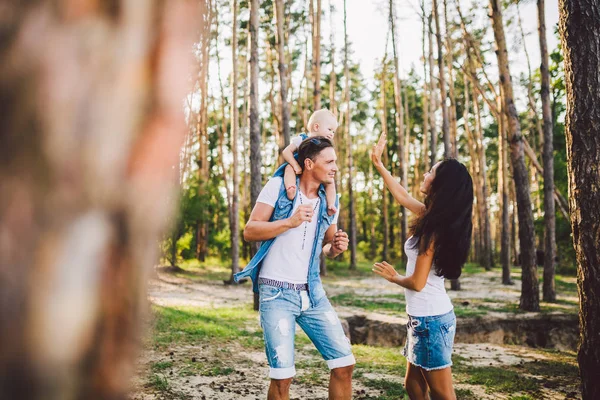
<point x="339" y="244"/>
<point x="303" y="213"/>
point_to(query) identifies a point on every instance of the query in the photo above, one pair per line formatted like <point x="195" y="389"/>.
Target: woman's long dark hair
<point x="447" y="219"/>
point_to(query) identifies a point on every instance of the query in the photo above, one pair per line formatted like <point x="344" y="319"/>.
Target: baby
<point x="321" y="123"/>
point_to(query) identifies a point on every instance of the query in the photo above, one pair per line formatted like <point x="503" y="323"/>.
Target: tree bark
<point x="235" y="208"/>
<point x="282" y="66"/>
<point x="88" y="178"/>
<point x="254" y="124"/>
<point x="384" y="206"/>
<point x="433" y="102"/>
<point x="530" y="287"/>
<point x="579" y="25"/>
<point x="445" y="122"/>
<point x="316" y="43"/>
<point x="351" y="207"/>
<point x="549" y="290"/>
<point x="503" y="194"/>
<point x="400" y="123"/>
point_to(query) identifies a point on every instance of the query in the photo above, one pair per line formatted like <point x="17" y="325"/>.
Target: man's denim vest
<point x="283" y="210"/>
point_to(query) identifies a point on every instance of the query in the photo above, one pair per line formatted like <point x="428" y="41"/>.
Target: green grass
<point x="379" y="359"/>
<point x="204" y="325"/>
<point x="161" y="366"/>
<point x="494" y="379"/>
<point x="389" y="390"/>
<point x="368" y="303"/>
<point x="158" y="382"/>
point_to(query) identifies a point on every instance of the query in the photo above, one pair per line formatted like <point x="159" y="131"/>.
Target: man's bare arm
<point x="259" y="227"/>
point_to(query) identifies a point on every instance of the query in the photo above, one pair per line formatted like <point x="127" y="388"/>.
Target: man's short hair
<point x="311" y="147"/>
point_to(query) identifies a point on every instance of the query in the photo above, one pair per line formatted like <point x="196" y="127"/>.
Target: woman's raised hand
<point x="377" y="150"/>
<point x="385" y="270"/>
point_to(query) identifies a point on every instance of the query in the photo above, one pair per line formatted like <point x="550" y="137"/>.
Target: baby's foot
<point x="331" y="210"/>
<point x="291" y="192"/>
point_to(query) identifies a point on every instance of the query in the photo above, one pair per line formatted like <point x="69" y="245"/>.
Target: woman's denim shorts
<point x="429" y="341"/>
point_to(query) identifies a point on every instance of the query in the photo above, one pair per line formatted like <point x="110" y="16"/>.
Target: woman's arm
<point x="417" y="280"/>
<point x="397" y="190"/>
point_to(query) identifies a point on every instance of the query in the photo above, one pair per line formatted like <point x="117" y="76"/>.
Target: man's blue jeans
<point x="280" y="310"/>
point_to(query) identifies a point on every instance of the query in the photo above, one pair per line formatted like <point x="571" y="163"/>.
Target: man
<point x="285" y="271"/>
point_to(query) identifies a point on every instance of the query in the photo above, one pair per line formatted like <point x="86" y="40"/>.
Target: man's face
<point x="323" y="167"/>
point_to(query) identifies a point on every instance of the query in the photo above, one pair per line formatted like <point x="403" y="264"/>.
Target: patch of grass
<point x="472" y="268"/>
<point x="379" y="359"/>
<point x="552" y="368"/>
<point x="465" y="394"/>
<point x="341" y="269"/>
<point x="158" y="382"/>
<point x="497" y="379"/>
<point x="367" y="303"/>
<point x="391" y="390"/>
<point x="194" y="325"/>
<point x="161" y="366"/>
<point x="521" y="397"/>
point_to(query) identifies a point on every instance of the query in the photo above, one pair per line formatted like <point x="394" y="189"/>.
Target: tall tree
<point x="235" y="208"/>
<point x="282" y="66"/>
<point x="384" y="129"/>
<point x="503" y="195"/>
<point x="579" y="24"/>
<point x="530" y="297"/>
<point x="399" y="121"/>
<point x="549" y="291"/>
<point x="316" y="58"/>
<point x="445" y="120"/>
<point x="254" y="124"/>
<point x="87" y="181"/>
<point x="451" y="95"/>
<point x="351" y="207"/>
<point x="433" y="97"/>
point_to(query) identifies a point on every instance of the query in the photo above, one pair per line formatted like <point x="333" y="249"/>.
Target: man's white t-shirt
<point x="286" y="260"/>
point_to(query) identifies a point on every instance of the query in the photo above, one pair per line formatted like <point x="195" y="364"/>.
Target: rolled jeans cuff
<point x="282" y="373"/>
<point x="341" y="362"/>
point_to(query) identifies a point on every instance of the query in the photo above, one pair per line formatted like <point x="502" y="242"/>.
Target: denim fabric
<point x="280" y="310"/>
<point x="429" y="341"/>
<point x="283" y="209"/>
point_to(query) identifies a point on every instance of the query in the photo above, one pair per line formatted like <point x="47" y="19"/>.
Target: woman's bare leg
<point x="440" y="384"/>
<point x="415" y="383"/>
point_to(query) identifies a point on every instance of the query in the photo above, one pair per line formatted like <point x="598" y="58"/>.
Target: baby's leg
<point x="331" y="196"/>
<point x="289" y="180"/>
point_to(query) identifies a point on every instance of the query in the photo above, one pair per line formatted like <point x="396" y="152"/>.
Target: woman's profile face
<point x="427" y="179"/>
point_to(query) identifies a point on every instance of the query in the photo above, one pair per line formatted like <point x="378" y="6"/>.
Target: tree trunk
<point x="445" y="122"/>
<point x="235" y="208"/>
<point x="503" y="194"/>
<point x="285" y="109"/>
<point x="351" y="208"/>
<point x="433" y="102"/>
<point x="316" y="55"/>
<point x="549" y="291"/>
<point x="579" y="24"/>
<point x="88" y="179"/>
<point x="399" y="125"/>
<point x="451" y="90"/>
<point x="254" y="124"/>
<point x="425" y="156"/>
<point x="384" y="205"/>
<point x="529" y="290"/>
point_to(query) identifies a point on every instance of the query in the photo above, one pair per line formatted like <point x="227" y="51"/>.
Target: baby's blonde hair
<point x="318" y="116"/>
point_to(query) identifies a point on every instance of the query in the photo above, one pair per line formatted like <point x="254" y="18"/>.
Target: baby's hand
<point x="297" y="170"/>
<point x="331" y="209"/>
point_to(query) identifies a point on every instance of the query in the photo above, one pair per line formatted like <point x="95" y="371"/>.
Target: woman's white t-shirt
<point x="432" y="299"/>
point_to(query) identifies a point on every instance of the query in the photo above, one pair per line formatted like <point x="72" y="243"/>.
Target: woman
<point x="437" y="249"/>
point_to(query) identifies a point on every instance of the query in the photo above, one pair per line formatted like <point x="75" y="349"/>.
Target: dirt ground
<point x="248" y="379"/>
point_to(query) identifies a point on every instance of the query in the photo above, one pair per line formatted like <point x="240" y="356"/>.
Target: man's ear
<point x="308" y="164"/>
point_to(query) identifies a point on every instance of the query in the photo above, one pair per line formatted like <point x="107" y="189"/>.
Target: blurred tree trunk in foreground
<point x="90" y="134"/>
<point x="579" y="23"/>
